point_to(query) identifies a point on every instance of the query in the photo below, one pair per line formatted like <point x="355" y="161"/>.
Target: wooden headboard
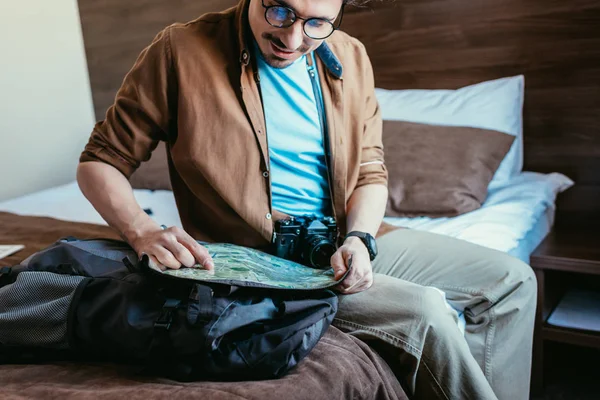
<point x="429" y="44"/>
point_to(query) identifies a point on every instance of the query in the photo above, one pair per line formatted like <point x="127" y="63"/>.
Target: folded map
<point x="243" y="266"/>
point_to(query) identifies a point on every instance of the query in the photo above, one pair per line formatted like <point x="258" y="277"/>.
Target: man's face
<point x="280" y="47"/>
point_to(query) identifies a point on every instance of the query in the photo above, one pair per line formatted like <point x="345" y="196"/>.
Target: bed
<point x="366" y="375"/>
<point x="514" y="218"/>
<point x="417" y="45"/>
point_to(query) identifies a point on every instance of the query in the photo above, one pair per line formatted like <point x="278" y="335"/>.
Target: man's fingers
<point x="355" y="283"/>
<point x="351" y="281"/>
<point x="338" y="265"/>
<point x="357" y="287"/>
<point x="358" y="279"/>
<point x="182" y="254"/>
<point x="206" y="261"/>
<point x="153" y="262"/>
<point x="203" y="257"/>
<point x="366" y="284"/>
<point x="166" y="258"/>
<point x="199" y="252"/>
<point x="363" y="284"/>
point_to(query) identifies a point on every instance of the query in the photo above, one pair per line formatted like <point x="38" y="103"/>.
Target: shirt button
<point x="268" y="216"/>
<point x="266" y="174"/>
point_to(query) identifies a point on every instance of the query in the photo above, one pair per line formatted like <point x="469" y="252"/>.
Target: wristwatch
<point x="368" y="240"/>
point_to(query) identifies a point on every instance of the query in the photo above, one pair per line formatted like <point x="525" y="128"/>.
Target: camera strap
<point x="310" y="65"/>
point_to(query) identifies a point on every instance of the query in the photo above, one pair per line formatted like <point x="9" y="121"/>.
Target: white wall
<point x="46" y="112"/>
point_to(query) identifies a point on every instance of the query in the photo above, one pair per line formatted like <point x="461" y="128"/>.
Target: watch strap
<point x="364" y="237"/>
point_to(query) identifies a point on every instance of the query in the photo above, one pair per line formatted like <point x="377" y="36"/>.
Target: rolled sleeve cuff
<point x="102" y="154"/>
<point x="372" y="173"/>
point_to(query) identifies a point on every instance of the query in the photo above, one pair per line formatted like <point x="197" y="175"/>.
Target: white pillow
<point x="496" y="105"/>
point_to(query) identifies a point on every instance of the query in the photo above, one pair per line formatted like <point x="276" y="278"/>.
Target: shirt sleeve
<point x="141" y="114"/>
<point x="372" y="167"/>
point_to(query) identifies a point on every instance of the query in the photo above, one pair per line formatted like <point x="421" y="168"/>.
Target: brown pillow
<point x="154" y="173"/>
<point x="439" y="171"/>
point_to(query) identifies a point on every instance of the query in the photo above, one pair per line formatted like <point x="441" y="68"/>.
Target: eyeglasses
<point x="315" y="28"/>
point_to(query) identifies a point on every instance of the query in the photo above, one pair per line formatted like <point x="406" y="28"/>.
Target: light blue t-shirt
<point x="298" y="170"/>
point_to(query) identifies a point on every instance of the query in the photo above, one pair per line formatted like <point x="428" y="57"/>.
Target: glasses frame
<point x="305" y="20"/>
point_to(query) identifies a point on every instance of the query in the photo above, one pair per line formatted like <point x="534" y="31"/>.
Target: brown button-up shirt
<point x="195" y="88"/>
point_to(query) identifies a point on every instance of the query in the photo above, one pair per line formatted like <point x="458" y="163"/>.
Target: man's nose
<point x="293" y="36"/>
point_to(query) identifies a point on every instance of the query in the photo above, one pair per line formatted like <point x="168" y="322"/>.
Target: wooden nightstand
<point x="568" y="259"/>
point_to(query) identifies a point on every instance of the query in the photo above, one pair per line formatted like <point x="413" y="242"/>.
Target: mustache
<point x="302" y="49"/>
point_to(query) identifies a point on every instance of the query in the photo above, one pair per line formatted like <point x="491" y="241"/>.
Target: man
<point x="243" y="100"/>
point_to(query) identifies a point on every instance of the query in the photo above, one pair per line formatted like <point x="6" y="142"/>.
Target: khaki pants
<point x="411" y="327"/>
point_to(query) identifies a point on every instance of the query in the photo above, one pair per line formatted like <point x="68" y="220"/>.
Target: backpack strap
<point x="129" y="265"/>
<point x="200" y="308"/>
<point x="5" y="276"/>
<point x="162" y="349"/>
<point x="166" y="316"/>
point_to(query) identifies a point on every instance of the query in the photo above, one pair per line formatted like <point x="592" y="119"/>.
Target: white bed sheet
<point x="534" y="237"/>
<point x="514" y="218"/>
<point x="66" y="202"/>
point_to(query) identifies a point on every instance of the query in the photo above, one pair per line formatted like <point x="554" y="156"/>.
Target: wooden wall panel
<point x="116" y="31"/>
<point x="430" y="44"/>
<point x="554" y="43"/>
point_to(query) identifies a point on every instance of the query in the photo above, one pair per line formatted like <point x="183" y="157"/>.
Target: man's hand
<point x="172" y="248"/>
<point x="353" y="256"/>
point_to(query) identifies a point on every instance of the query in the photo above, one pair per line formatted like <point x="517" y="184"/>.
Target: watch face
<point x="372" y="245"/>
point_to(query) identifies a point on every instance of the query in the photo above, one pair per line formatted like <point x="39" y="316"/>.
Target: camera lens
<point x="318" y="252"/>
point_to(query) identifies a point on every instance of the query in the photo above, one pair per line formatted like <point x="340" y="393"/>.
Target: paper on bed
<point x="9" y="249"/>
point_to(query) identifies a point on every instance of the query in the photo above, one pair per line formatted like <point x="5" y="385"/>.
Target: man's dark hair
<point x="357" y="3"/>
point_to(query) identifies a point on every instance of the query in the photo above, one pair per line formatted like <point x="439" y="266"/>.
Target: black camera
<point x="306" y="240"/>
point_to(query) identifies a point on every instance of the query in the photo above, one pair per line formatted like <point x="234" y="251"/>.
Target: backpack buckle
<point x="5" y="273"/>
<point x="200" y="306"/>
<point x="166" y="315"/>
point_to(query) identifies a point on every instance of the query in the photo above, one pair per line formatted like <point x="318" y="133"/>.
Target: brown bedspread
<point x="340" y="366"/>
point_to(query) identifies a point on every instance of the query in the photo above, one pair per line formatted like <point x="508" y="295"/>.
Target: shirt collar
<point x="329" y="59"/>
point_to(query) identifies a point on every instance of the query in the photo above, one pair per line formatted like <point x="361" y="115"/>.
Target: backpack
<point x="93" y="298"/>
